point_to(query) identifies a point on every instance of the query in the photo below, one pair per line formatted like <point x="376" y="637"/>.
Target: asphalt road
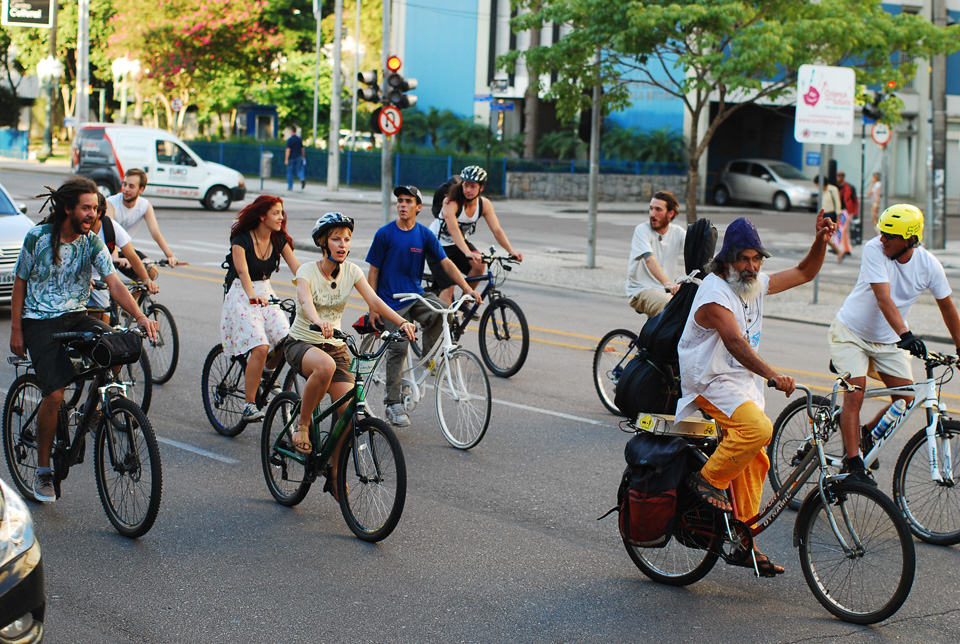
<point x="497" y="544"/>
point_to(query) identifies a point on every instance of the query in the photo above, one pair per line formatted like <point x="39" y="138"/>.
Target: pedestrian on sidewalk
<point x="295" y="158"/>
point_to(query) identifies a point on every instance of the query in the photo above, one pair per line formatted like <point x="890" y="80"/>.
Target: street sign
<point x="176" y="104"/>
<point x="501" y="107"/>
<point x="880" y="133"/>
<point x="813" y="158"/>
<point x="825" y="101"/>
<point x="390" y="120"/>
<point x="482" y="98"/>
<point x="27" y="13"/>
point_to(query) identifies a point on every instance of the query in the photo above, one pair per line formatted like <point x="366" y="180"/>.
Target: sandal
<point x="714" y="497"/>
<point x="330" y="485"/>
<point x="765" y="567"/>
<point x="301" y="439"/>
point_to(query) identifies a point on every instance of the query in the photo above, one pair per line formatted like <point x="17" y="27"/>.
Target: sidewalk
<point x="815" y="303"/>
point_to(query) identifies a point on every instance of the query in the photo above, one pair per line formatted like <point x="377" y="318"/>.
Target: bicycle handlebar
<point x="90" y="336"/>
<point x="453" y="308"/>
<point x="351" y="342"/>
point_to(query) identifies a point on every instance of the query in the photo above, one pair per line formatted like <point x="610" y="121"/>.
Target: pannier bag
<point x="117" y="348"/>
<point x="647" y="498"/>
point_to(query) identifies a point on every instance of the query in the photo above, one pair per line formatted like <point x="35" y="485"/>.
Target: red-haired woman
<point x="249" y="322"/>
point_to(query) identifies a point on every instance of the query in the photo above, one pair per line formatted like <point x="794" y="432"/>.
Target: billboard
<point x="27" y="13"/>
<point x="825" y="102"/>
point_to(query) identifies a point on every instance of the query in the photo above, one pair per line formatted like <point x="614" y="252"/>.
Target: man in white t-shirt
<point x="722" y="373"/>
<point x="128" y="209"/>
<point x="657" y="245"/>
<point x="870" y="334"/>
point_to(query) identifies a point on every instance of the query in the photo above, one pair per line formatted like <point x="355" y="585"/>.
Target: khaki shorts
<point x="859" y="358"/>
<point x="650" y="301"/>
<point x="295" y="350"/>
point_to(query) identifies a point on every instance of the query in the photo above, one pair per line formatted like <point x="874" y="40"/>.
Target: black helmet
<point x="330" y="220"/>
<point x="474" y="174"/>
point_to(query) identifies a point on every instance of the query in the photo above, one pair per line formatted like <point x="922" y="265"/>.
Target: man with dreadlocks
<point x="50" y="294"/>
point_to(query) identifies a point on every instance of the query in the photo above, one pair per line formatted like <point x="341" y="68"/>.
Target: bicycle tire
<point x="613" y="353"/>
<point x="789" y="443"/>
<point x="867" y="586"/>
<point x="463" y="399"/>
<point x="222" y="382"/>
<point x="375" y="383"/>
<point x="20" y="432"/>
<point x="131" y="486"/>
<point x="286" y="477"/>
<point x="293" y="381"/>
<point x="932" y="509"/>
<point x="690" y="554"/>
<point x="138" y="378"/>
<point x="499" y="347"/>
<point x="372" y="480"/>
<point x="165" y="352"/>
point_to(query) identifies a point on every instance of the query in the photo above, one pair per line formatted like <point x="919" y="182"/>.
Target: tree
<point x="419" y="126"/>
<point x="731" y="52"/>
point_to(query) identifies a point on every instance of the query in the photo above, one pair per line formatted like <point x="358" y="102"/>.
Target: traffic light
<point x="371" y="92"/>
<point x="872" y="110"/>
<point x="398" y="86"/>
<point x="892" y="85"/>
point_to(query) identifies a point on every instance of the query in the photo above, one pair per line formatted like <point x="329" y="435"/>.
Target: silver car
<point x="764" y="181"/>
<point x="14" y="225"/>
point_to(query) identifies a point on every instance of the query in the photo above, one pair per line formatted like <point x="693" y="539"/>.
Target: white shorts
<point x="850" y="354"/>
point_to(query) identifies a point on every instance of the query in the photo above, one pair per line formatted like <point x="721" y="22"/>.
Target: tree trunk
<point x="531" y="100"/>
<point x="693" y="172"/>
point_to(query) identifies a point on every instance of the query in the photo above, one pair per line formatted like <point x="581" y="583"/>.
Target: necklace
<point x="747" y="313"/>
<point x="256" y="242"/>
<point x="333" y="282"/>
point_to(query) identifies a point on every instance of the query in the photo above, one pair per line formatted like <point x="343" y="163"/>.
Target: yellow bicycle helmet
<point x="902" y="219"/>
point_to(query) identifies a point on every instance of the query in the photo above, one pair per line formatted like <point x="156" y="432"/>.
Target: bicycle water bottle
<point x="890" y="418"/>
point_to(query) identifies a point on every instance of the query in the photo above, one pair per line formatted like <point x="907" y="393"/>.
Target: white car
<point x="14" y="225"/>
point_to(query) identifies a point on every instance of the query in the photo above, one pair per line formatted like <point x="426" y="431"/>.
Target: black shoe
<point x="853" y="468"/>
<point x="866" y="444"/>
<point x="303" y="184"/>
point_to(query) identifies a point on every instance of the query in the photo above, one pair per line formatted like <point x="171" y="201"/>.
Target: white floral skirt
<point x="244" y="326"/>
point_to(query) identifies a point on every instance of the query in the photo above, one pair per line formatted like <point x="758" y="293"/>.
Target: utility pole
<point x="356" y="71"/>
<point x="594" y="181"/>
<point x="386" y="171"/>
<point x="46" y="148"/>
<point x="938" y="105"/>
<point x="82" y="111"/>
<point x="333" y="142"/>
<point x="316" y="70"/>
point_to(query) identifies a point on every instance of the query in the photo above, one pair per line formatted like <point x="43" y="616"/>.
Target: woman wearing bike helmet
<point x="462" y="209"/>
<point x="870" y="333"/>
<point x="248" y="322"/>
<point x="323" y="289"/>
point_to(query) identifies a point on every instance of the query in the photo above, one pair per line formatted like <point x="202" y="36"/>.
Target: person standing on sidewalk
<point x="873" y="192"/>
<point x="656" y="247"/>
<point x="870" y="334"/>
<point x="849" y="212"/>
<point x="295" y="158"/>
<point x="831" y="205"/>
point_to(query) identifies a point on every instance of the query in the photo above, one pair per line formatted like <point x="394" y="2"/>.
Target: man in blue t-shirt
<point x="396" y="258"/>
<point x="295" y="158"/>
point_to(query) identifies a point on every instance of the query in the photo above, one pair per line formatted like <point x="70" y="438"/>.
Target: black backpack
<point x="649" y="385"/>
<point x="441" y="192"/>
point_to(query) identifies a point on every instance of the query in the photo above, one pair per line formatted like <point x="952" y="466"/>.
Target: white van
<point x="103" y="152"/>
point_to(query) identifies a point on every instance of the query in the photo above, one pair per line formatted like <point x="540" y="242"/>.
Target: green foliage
<point x="428" y="127"/>
<point x="9" y="65"/>
<point x="560" y="144"/>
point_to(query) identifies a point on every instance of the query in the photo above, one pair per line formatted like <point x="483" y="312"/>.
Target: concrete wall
<point x="552" y="186"/>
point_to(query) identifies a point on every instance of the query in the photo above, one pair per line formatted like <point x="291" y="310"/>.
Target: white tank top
<point x="129" y="218"/>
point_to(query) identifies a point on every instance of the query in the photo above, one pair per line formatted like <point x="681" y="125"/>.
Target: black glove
<point x="913" y="344"/>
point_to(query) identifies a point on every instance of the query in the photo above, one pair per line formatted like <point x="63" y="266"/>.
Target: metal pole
<point x="317" y="12"/>
<point x="46" y="149"/>
<point x="938" y="100"/>
<point x="82" y="109"/>
<point x="386" y="171"/>
<point x="356" y="71"/>
<point x="858" y="229"/>
<point x="333" y="139"/>
<point x="594" y="184"/>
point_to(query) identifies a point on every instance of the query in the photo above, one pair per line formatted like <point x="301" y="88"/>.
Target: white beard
<point x="745" y="289"/>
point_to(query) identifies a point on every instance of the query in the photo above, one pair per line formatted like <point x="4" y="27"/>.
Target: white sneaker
<point x="397" y="415"/>
<point x="251" y="414"/>
<point x="43" y="488"/>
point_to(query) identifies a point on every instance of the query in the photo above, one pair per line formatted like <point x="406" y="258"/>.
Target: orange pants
<point x="740" y="461"/>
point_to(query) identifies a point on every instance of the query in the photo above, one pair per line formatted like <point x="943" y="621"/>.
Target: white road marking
<point x="197" y="450"/>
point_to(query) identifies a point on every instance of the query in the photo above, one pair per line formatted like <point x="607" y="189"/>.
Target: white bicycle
<point x="925" y="479"/>
<point x="461" y="387"/>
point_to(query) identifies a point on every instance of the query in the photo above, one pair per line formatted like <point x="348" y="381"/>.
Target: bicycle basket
<point x="117" y="348"/>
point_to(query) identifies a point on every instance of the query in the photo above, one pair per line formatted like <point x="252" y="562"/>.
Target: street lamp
<point x="49" y="70"/>
<point x="124" y="70"/>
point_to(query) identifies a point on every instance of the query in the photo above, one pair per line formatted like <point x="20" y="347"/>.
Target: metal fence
<point x="13" y="143"/>
<point x="422" y="170"/>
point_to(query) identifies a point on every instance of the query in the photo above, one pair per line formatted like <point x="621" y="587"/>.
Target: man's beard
<point x="747" y="289"/>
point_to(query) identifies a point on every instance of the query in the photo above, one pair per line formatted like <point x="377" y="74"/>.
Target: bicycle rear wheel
<point x="165" y="352"/>
<point x="137" y="376"/>
<point x="613" y="353"/>
<point x="372" y="480"/>
<point x="222" y="383"/>
<point x="126" y="458"/>
<point x="869" y="583"/>
<point x="286" y="477"/>
<point x="689" y="555"/>
<point x="791" y="440"/>
<point x="931" y="508"/>
<point x="504" y="337"/>
<point x="20" y="432"/>
<point x="463" y="399"/>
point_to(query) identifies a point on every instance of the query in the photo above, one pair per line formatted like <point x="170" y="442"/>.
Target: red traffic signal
<point x="393" y="63"/>
<point x="891" y="85"/>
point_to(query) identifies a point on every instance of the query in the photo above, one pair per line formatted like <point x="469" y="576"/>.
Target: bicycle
<point x="856" y="552"/>
<point x="924" y="480"/>
<point x="503" y="352"/>
<point x="126" y="454"/>
<point x="462" y="389"/>
<point x="165" y="350"/>
<point x="371" y="471"/>
<point x="222" y="382"/>
<point x="616" y="349"/>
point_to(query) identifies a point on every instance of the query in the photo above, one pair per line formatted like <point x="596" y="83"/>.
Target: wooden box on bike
<point x="662" y="424"/>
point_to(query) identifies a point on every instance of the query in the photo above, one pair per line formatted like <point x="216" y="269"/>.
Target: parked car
<point x="14" y="225"/>
<point x="764" y="181"/>
<point x="22" y="597"/>
<point x="101" y="152"/>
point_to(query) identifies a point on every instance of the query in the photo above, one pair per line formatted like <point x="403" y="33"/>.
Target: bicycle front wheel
<point x="138" y="378"/>
<point x="127" y="461"/>
<point x="791" y="440"/>
<point x="613" y="353"/>
<point x="165" y="351"/>
<point x="689" y="555"/>
<point x="222" y="390"/>
<point x="463" y="399"/>
<point x="504" y="337"/>
<point x="286" y="477"/>
<point x="372" y="480"/>
<point x="20" y="432"/>
<point x="869" y="581"/>
<point x="931" y="508"/>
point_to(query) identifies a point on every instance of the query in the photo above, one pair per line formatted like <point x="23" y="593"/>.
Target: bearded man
<point x="723" y="375"/>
